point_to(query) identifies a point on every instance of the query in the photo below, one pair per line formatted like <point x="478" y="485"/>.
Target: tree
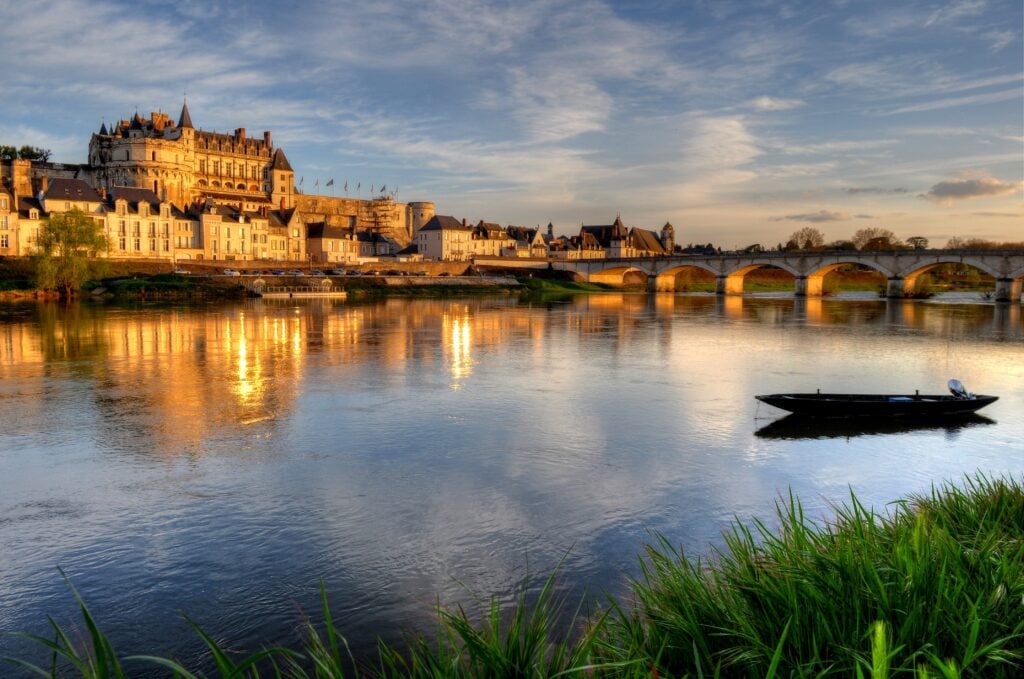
<point x="807" y="238"/>
<point x="27" y="152"/>
<point x="918" y="242"/>
<point x="65" y="251"/>
<point x="8" y="152"/>
<point x="875" y="238"/>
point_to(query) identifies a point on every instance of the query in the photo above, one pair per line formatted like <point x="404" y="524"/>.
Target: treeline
<point x="876" y="238"/>
<point x="25" y="152"/>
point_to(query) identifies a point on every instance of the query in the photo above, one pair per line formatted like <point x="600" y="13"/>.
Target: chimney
<point x="45" y="183"/>
<point x="463" y="221"/>
<point x="266" y="137"/>
<point x="240" y="134"/>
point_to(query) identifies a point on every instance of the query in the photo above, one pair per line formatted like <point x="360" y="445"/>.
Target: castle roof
<point x="280" y="162"/>
<point x="134" y="196"/>
<point x="26" y="203"/>
<point x="642" y="239"/>
<point x="136" y="123"/>
<point x="445" y="223"/>
<point x="324" y="230"/>
<point x="185" y="120"/>
<point x="103" y="129"/>
<point x="71" y="189"/>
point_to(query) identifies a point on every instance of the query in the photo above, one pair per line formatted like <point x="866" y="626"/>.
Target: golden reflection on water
<point x="179" y="374"/>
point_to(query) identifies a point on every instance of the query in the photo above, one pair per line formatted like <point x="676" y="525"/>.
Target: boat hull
<point x="876" y="405"/>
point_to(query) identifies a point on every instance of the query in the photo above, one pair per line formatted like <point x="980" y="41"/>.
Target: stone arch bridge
<point x="901" y="267"/>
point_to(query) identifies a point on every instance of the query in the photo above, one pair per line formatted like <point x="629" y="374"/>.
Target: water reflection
<point x="793" y="427"/>
<point x="222" y="459"/>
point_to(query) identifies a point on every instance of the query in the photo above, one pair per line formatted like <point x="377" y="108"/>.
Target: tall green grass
<point x="933" y="587"/>
<point x="941" y="575"/>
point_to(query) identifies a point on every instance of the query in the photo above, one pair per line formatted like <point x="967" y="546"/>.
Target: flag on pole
<point x="359" y="186"/>
<point x="301" y="179"/>
<point x="371" y="189"/>
<point x="346" y="186"/>
<point x="384" y="188"/>
<point x="330" y="182"/>
<point x="317" y="182"/>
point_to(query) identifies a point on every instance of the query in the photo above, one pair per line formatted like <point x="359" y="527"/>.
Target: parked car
<point x="231" y="272"/>
<point x="181" y="272"/>
<point x="336" y="272"/>
<point x="316" y="272"/>
<point x="277" y="272"/>
<point x="296" y="272"/>
<point x="353" y="272"/>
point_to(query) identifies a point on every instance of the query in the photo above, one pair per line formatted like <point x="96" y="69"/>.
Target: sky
<point x="739" y="121"/>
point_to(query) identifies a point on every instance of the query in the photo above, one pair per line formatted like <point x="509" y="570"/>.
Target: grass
<point x="934" y="587"/>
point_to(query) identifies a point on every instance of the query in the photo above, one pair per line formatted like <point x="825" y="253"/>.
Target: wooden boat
<point x="959" y="402"/>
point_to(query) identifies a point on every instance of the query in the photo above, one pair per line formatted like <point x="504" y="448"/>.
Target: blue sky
<point x="738" y="121"/>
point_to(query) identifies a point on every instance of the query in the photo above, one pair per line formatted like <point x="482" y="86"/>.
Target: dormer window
<point x="33" y="214"/>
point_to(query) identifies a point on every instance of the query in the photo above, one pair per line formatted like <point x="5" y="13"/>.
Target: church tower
<point x="668" y="237"/>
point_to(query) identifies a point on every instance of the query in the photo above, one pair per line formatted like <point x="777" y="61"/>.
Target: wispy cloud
<point x="949" y="192"/>
<point x="974" y="99"/>
<point x="876" y="190"/>
<point x="766" y="103"/>
<point x="814" y="217"/>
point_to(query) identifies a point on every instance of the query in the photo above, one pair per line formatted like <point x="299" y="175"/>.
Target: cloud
<point x="987" y="98"/>
<point x="864" y="217"/>
<point x="855" y="190"/>
<point x="1000" y="39"/>
<point x="956" y="10"/>
<point x="948" y="192"/>
<point x="814" y="217"/>
<point x="775" y="104"/>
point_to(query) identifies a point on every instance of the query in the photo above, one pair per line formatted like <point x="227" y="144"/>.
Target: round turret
<point x="420" y="213"/>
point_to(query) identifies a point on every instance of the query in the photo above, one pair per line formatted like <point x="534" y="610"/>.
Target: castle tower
<point x="282" y="182"/>
<point x="420" y="213"/>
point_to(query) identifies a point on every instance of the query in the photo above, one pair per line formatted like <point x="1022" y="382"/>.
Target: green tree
<point x="27" y="152"/>
<point x="8" y="152"/>
<point x="66" y="251"/>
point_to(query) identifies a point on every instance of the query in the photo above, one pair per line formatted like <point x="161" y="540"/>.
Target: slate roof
<point x="323" y="230"/>
<point x="71" y="189"/>
<point x="642" y="239"/>
<point x="445" y="223"/>
<point x="185" y="120"/>
<point x="134" y="196"/>
<point x="281" y="162"/>
<point x="410" y="249"/>
<point x="606" y="233"/>
<point x="25" y="204"/>
<point x="522" y="234"/>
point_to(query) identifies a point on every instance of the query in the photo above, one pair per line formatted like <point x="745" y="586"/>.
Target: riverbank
<point x="933" y="587"/>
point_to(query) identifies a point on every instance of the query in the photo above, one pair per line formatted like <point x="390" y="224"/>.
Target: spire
<point x="185" y="120"/>
<point x="103" y="129"/>
<point x="280" y="162"/>
<point x="136" y="122"/>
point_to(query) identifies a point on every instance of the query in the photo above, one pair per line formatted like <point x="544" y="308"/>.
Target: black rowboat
<point x="881" y="405"/>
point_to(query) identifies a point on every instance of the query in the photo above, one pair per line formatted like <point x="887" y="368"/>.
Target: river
<point x="220" y="460"/>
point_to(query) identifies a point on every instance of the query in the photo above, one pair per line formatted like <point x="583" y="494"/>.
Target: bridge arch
<point x="668" y="279"/>
<point x="912" y="274"/>
<point x="815" y="284"/>
<point x="620" y="275"/>
<point x="732" y="282"/>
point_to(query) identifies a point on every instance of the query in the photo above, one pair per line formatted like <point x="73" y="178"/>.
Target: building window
<point x="152" y="229"/>
<point x="120" y="228"/>
<point x="135" y="229"/>
<point x="154" y="155"/>
<point x="138" y="245"/>
<point x="202" y="166"/>
<point x="3" y="222"/>
<point x="67" y="206"/>
<point x="167" y="245"/>
<point x="3" y="203"/>
<point x="5" y="241"/>
<point x="152" y="244"/>
<point x="216" y="167"/>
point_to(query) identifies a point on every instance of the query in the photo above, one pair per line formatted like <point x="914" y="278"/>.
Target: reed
<point x="933" y="587"/>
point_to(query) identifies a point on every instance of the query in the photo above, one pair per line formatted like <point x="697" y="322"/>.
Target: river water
<point x="221" y="460"/>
